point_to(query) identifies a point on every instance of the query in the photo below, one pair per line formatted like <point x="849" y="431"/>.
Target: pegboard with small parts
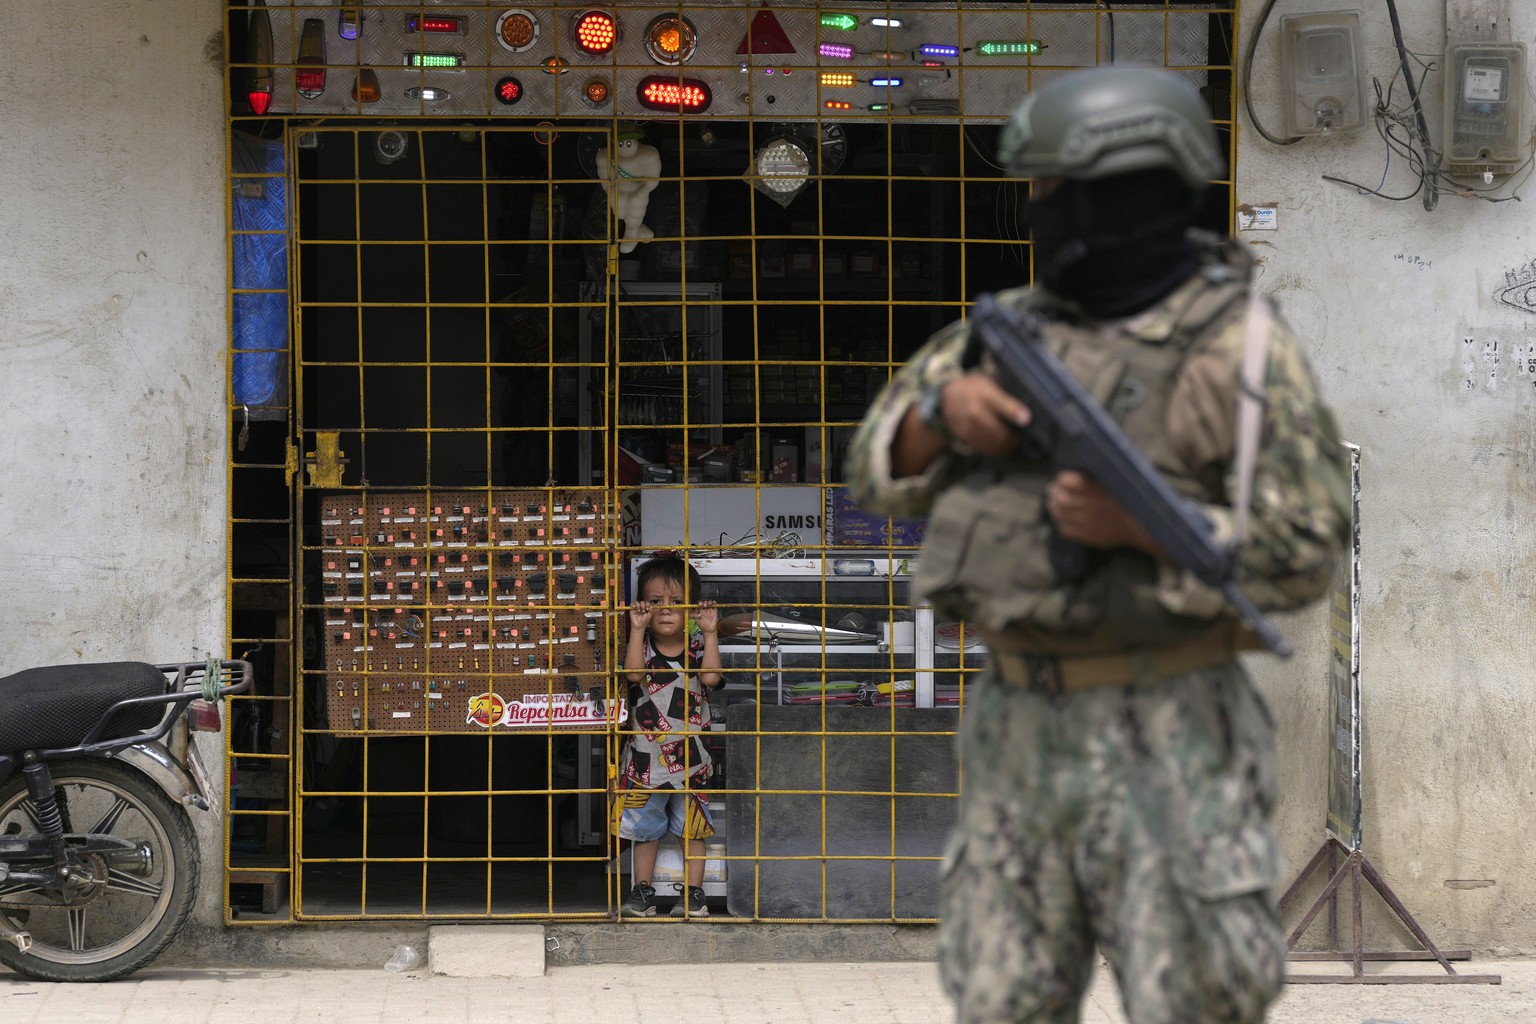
<point x="465" y="611"/>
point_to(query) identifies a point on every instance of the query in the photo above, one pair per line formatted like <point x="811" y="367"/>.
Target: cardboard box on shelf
<point x="847" y="525"/>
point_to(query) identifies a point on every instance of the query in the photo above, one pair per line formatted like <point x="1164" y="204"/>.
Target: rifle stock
<point x="1076" y="433"/>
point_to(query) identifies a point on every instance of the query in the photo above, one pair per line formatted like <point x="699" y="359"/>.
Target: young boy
<point x="671" y="661"/>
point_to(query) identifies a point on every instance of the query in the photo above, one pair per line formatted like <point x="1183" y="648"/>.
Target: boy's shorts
<point x="645" y="815"/>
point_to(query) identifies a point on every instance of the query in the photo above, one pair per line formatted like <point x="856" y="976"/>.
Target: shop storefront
<point x="522" y="297"/>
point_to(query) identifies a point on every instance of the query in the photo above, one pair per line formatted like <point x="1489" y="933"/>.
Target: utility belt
<point x="1048" y="673"/>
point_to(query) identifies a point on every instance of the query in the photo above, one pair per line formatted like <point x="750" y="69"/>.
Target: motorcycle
<point x="98" y="858"/>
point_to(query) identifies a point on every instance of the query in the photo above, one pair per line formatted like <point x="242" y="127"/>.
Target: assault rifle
<point x="1073" y="432"/>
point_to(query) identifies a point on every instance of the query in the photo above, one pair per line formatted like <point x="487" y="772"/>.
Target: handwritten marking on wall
<point x="1413" y="260"/>
<point x="1519" y="288"/>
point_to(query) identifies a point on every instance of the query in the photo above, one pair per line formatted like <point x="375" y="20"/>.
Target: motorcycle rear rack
<point x="177" y="693"/>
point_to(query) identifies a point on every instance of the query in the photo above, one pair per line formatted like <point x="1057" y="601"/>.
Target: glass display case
<point x="837" y="629"/>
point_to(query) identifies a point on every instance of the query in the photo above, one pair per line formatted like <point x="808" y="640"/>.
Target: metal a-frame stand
<point x="1359" y="870"/>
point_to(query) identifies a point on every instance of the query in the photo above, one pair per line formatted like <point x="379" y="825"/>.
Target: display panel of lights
<point x="1008" y="47"/>
<point x="835" y="51"/>
<point x="595" y="33"/>
<point x="434" y="23"/>
<point x="937" y="51"/>
<point x="839" y="22"/>
<point x="425" y="59"/>
<point x="517" y="29"/>
<point x="837" y="79"/>
<point x="670" y="39"/>
<point x="685" y="96"/>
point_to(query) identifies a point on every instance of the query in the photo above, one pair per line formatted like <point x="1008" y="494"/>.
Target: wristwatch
<point x="930" y="409"/>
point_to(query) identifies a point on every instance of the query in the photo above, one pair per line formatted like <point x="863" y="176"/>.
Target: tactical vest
<point x="991" y="556"/>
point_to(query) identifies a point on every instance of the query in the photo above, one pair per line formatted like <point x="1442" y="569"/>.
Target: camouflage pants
<point x="1132" y="819"/>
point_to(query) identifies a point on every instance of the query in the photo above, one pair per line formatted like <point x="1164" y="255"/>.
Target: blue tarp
<point x="260" y="274"/>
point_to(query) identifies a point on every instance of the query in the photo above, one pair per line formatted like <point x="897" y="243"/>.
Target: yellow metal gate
<point x="484" y="408"/>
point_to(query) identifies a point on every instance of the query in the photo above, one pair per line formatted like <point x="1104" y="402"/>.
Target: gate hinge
<point x="326" y="461"/>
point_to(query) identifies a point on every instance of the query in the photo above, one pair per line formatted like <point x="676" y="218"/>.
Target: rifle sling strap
<point x="1250" y="407"/>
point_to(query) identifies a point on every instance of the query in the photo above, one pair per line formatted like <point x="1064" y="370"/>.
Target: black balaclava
<point x="1114" y="245"/>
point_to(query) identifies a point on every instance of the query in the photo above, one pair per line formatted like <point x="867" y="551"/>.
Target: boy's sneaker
<point x="691" y="903"/>
<point x="641" y="902"/>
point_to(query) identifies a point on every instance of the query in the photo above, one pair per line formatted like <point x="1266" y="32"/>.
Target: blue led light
<point x="936" y="50"/>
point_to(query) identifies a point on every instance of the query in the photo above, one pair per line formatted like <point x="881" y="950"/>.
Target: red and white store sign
<point x="542" y="710"/>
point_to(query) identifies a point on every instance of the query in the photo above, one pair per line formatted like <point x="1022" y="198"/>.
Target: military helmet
<point x="1105" y="121"/>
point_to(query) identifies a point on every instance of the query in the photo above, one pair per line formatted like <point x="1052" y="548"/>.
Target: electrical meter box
<point x="1484" y="107"/>
<point x="1324" y="74"/>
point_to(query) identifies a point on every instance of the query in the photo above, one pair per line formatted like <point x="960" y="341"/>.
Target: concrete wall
<point x="1402" y="310"/>
<point x="113" y="338"/>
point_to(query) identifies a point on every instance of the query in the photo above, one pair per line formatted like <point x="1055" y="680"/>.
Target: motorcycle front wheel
<point x="129" y="908"/>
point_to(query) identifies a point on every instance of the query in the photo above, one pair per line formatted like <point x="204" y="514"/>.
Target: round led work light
<point x="517" y="29"/>
<point x="782" y="167"/>
<point x="595" y="33"/>
<point x="670" y="40"/>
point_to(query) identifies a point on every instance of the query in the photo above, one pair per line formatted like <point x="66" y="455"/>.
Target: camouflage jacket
<point x="1300" y="509"/>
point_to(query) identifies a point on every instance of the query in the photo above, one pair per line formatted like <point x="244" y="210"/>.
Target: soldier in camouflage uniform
<point x="1119" y="765"/>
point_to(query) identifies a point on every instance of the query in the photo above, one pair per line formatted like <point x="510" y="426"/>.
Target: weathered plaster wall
<point x="1404" y="312"/>
<point x="112" y="330"/>
<point x="113" y="339"/>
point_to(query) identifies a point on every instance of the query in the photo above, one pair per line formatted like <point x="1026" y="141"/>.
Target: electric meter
<point x="1324" y="75"/>
<point x="1484" y="107"/>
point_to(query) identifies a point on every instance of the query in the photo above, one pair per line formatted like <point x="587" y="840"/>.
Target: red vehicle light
<point x="509" y="90"/>
<point x="680" y="96"/>
<point x="433" y="23"/>
<point x="203" y="716"/>
<point x="309" y="70"/>
<point x="596" y="33"/>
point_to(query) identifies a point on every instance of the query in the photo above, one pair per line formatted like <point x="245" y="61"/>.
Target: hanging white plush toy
<point x="629" y="172"/>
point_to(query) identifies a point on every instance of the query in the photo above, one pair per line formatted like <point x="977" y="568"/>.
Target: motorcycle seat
<point x="55" y="707"/>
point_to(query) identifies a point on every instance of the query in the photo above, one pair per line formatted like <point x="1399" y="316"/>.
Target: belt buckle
<point x="1043" y="674"/>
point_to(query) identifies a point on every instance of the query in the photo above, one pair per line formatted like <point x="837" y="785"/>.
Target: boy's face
<point x="669" y="615"/>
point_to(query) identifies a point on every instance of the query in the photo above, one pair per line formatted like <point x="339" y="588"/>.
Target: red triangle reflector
<point x="765" y="35"/>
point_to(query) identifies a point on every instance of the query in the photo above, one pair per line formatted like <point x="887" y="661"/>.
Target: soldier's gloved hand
<point x="979" y="414"/>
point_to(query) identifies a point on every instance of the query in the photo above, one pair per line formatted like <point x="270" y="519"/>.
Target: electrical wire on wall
<point x="1404" y="130"/>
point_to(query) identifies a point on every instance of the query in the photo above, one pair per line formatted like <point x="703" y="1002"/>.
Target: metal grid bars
<point x="486" y="398"/>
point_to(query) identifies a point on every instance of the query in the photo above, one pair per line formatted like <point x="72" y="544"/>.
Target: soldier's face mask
<point x="1113" y="245"/>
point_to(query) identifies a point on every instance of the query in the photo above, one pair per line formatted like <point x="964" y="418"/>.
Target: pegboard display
<point x="463" y="611"/>
<point x="941" y="62"/>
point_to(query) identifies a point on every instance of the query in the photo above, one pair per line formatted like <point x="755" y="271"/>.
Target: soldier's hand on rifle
<point x="1085" y="513"/>
<point x="980" y="414"/>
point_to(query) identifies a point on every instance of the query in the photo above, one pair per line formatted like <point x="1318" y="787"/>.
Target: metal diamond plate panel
<point x="973" y="85"/>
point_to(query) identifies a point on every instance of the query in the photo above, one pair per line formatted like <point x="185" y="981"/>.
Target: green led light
<point x="841" y="22"/>
<point x="879" y="106"/>
<point x="1009" y="47"/>
<point x="416" y="59"/>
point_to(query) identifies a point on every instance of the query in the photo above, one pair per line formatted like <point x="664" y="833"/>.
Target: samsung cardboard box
<point x="730" y="515"/>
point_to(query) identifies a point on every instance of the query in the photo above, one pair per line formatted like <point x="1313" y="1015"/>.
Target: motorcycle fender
<point x="185" y="786"/>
